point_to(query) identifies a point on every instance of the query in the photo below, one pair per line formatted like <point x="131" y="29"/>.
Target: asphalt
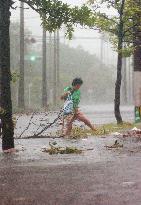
<point x="98" y="114"/>
<point x="97" y="177"/>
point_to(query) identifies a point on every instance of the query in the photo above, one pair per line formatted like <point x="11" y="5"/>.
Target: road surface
<point x="98" y="114"/>
<point x="96" y="177"/>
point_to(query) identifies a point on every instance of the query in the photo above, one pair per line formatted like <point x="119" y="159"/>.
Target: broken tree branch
<point x="28" y="124"/>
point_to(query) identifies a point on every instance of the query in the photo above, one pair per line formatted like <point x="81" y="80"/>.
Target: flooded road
<point x="31" y="150"/>
<point x="102" y="114"/>
<point x="98" y="114"/>
<point x="97" y="176"/>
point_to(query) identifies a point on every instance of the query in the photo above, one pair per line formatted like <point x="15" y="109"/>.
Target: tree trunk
<point x="119" y="66"/>
<point x="58" y="64"/>
<point x="5" y="77"/>
<point x="137" y="69"/>
<point x="44" y="72"/>
<point x="117" y="89"/>
<point x="137" y="51"/>
<point x="55" y="73"/>
<point x="21" y="103"/>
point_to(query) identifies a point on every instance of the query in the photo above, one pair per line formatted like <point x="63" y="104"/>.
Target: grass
<point x="78" y="132"/>
<point x="106" y="129"/>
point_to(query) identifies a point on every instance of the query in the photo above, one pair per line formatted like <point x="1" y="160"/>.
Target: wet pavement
<point x="98" y="114"/>
<point x="102" y="114"/>
<point x="95" y="177"/>
<point x="98" y="176"/>
<point x="93" y="150"/>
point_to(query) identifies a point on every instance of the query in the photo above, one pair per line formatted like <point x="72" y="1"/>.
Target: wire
<point x="32" y="17"/>
<point x="62" y="37"/>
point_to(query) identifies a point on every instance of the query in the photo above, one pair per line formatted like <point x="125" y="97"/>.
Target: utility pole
<point x="50" y="70"/>
<point x="102" y="49"/>
<point x="131" y="83"/>
<point x="54" y="73"/>
<point x="21" y="102"/>
<point x="124" y="80"/>
<point x="44" y="73"/>
<point x="58" y="63"/>
<point x="129" y="76"/>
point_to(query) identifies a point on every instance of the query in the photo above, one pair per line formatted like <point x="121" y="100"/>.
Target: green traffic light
<point x="33" y="58"/>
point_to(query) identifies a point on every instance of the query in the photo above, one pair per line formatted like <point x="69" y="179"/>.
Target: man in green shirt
<point x="74" y="92"/>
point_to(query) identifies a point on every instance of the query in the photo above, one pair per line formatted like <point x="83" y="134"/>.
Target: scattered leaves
<point x="61" y="150"/>
<point x="133" y="133"/>
<point x="79" y="132"/>
<point x="115" y="145"/>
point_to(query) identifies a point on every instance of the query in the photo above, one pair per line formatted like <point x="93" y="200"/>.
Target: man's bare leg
<point x="81" y="117"/>
<point x="68" y="127"/>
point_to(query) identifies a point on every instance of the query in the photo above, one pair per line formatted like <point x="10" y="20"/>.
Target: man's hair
<point x="77" y="81"/>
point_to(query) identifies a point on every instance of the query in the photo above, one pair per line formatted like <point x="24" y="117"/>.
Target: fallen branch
<point x="28" y="124"/>
<point x="49" y="124"/>
<point x="39" y="137"/>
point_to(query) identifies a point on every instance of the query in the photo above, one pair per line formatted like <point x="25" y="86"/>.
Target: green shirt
<point x="75" y="96"/>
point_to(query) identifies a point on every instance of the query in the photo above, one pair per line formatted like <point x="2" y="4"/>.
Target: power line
<point x="75" y="38"/>
<point x="76" y="26"/>
<point x="32" y="17"/>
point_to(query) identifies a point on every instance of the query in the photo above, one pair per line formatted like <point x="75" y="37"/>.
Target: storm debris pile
<point x="54" y="149"/>
<point x="133" y="133"/>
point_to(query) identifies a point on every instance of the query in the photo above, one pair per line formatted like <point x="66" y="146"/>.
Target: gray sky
<point x="91" y="44"/>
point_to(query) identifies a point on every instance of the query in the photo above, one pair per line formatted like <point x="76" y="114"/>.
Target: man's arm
<point x="65" y="95"/>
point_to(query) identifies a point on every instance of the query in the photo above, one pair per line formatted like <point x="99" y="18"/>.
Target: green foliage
<point x="130" y="19"/>
<point x="128" y="51"/>
<point x="54" y="14"/>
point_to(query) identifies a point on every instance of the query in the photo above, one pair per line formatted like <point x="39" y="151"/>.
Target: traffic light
<point x="33" y="58"/>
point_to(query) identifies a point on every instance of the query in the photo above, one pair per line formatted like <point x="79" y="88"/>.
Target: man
<point x="76" y="114"/>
